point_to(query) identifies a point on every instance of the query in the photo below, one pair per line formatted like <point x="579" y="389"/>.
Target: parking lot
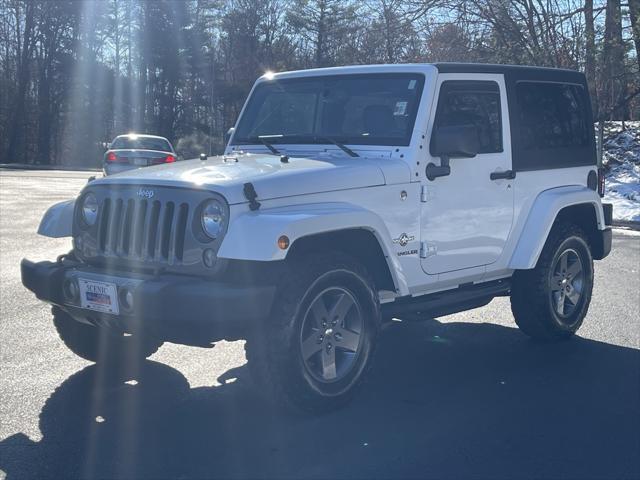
<point x="464" y="396"/>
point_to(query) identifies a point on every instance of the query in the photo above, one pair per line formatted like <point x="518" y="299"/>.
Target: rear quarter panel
<point x="539" y="196"/>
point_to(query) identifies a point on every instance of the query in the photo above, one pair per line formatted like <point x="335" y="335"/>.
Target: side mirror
<point x="455" y="141"/>
<point x="228" y="135"/>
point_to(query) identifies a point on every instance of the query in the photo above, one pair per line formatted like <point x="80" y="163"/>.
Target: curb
<point x="626" y="224"/>
<point x="23" y="166"/>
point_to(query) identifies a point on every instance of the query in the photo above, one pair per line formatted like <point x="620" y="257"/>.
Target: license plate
<point x="99" y="296"/>
<point x="140" y="161"/>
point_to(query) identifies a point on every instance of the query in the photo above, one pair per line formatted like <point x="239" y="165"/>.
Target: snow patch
<point x="621" y="160"/>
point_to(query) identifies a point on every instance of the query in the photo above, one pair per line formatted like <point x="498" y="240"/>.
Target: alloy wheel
<point x="331" y="336"/>
<point x="566" y="284"/>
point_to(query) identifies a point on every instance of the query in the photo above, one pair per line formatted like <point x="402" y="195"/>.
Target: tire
<point x="318" y="342"/>
<point x="551" y="301"/>
<point x="100" y="344"/>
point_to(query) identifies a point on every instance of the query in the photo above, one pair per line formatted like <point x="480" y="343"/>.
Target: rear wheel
<point x="101" y="344"/>
<point x="551" y="301"/>
<point x="318" y="343"/>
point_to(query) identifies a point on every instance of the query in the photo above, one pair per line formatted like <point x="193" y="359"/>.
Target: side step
<point x="439" y="304"/>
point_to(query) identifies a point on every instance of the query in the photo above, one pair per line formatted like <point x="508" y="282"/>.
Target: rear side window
<point x="552" y="115"/>
<point x="553" y="126"/>
<point x="475" y="103"/>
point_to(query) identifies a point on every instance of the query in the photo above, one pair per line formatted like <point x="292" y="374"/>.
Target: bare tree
<point x="25" y="45"/>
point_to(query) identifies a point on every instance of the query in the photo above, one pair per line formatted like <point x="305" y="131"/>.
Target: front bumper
<point x="183" y="309"/>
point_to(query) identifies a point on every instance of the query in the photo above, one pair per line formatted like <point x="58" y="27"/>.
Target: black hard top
<point x="516" y="71"/>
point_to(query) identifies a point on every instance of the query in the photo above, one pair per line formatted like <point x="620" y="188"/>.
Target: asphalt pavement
<point x="464" y="396"/>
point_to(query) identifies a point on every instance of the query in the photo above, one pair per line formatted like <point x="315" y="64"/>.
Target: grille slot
<point x="126" y="227"/>
<point x="104" y="225"/>
<point x="152" y="232"/>
<point x="167" y="224"/>
<point x="141" y="229"/>
<point x="181" y="227"/>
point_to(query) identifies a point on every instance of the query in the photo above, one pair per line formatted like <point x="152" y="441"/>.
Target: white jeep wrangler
<point x="345" y="197"/>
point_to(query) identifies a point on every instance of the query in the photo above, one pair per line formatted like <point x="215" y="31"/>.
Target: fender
<point x="542" y="214"/>
<point x="254" y="235"/>
<point x="57" y="222"/>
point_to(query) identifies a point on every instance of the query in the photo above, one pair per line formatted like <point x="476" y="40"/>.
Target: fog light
<point x="70" y="289"/>
<point x="126" y="299"/>
<point x="209" y="257"/>
<point x="283" y="242"/>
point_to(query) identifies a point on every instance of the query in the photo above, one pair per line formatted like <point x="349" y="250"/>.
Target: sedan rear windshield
<point x="141" y="143"/>
<point x="370" y="109"/>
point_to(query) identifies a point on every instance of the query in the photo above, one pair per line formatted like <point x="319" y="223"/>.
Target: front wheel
<point x="318" y="343"/>
<point x="551" y="301"/>
<point x="101" y="344"/>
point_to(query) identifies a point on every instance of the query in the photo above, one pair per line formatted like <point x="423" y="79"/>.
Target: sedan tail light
<point x="160" y="160"/>
<point x="113" y="158"/>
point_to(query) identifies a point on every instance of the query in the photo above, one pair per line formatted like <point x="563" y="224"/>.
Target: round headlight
<point x="213" y="218"/>
<point x="90" y="209"/>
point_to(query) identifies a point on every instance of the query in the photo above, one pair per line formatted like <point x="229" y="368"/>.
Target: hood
<point x="270" y="177"/>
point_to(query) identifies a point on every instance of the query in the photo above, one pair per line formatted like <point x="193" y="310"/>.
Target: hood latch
<point x="251" y="195"/>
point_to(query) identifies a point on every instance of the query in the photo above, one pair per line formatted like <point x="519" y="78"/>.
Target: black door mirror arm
<point x="433" y="171"/>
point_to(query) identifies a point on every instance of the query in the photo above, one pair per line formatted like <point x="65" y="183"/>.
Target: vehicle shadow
<point x="445" y="400"/>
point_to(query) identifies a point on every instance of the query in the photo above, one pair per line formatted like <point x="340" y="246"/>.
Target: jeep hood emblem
<point x="145" y="193"/>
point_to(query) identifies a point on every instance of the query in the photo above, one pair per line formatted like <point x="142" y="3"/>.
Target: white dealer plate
<point x="99" y="296"/>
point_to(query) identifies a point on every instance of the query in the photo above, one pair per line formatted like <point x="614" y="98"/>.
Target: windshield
<point x="370" y="109"/>
<point x="141" y="143"/>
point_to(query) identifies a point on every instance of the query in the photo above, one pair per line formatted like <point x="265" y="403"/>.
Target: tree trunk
<point x="613" y="62"/>
<point x="590" y="55"/>
<point x="320" y="39"/>
<point x="634" y="14"/>
<point x="388" y="34"/>
<point x="44" y="114"/>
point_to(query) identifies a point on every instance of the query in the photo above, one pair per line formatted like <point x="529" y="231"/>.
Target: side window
<point x="551" y="115"/>
<point x="464" y="102"/>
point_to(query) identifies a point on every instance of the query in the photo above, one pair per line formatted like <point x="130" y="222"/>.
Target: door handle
<point x="507" y="174"/>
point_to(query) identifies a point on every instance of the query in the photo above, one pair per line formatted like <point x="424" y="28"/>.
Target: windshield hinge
<point x="424" y="194"/>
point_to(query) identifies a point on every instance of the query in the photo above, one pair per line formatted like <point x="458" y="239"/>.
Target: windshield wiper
<point x="265" y="142"/>
<point x="342" y="147"/>
<point x="312" y="138"/>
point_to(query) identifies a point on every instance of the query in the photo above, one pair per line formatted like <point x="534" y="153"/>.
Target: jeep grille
<point x="138" y="232"/>
<point x="142" y="229"/>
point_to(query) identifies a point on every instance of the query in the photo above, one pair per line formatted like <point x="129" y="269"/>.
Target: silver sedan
<point x="130" y="151"/>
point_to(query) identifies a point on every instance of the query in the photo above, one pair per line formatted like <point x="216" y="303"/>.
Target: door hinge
<point x="424" y="194"/>
<point x="427" y="250"/>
